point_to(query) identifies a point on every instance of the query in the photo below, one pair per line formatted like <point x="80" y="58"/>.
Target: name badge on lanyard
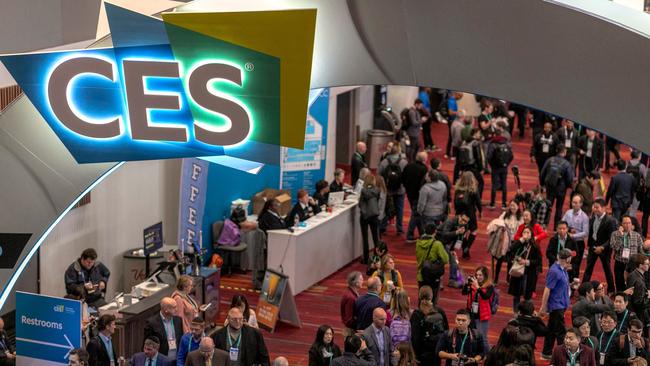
<point x="567" y="143"/>
<point x="626" y="253"/>
<point x="601" y="360"/>
<point x="234" y="354"/>
<point x="475" y="307"/>
<point x="546" y="148"/>
<point x="458" y="244"/>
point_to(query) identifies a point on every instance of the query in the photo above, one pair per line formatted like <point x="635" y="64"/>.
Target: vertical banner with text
<point x="47" y="329"/>
<point x="194" y="187"/>
<point x="304" y="168"/>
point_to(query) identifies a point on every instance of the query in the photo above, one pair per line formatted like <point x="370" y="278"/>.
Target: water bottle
<point x="296" y="221"/>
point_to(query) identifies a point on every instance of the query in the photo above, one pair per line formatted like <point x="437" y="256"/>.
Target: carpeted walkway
<point x="320" y="304"/>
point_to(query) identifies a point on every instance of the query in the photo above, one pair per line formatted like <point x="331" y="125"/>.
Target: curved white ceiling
<point x="585" y="61"/>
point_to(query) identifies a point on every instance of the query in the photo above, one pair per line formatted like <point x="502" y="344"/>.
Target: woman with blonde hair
<point x="467" y="201"/>
<point x="406" y="355"/>
<point x="369" y="212"/>
<point x="390" y="278"/>
<point x="186" y="307"/>
<point x="383" y="195"/>
<point x="400" y="311"/>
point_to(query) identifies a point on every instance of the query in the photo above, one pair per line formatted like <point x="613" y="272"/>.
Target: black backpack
<point x="502" y="156"/>
<point x="465" y="155"/>
<point x="434" y="325"/>
<point x="443" y="107"/>
<point x="553" y="175"/>
<point x="393" y="175"/>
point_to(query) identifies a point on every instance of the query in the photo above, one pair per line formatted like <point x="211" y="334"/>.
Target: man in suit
<point x="365" y="305"/>
<point x="78" y="357"/>
<point x="586" y="306"/>
<point x="244" y="344"/>
<point x="356" y="353"/>
<point x="7" y="352"/>
<point x="639" y="303"/>
<point x="150" y="355"/>
<point x="100" y="348"/>
<point x="621" y="191"/>
<point x="167" y="327"/>
<point x="378" y="338"/>
<point x="559" y="241"/>
<point x="591" y="150"/>
<point x="358" y="161"/>
<point x="601" y="227"/>
<point x="207" y="355"/>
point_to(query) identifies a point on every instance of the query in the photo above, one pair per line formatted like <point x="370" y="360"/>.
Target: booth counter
<point x="327" y="243"/>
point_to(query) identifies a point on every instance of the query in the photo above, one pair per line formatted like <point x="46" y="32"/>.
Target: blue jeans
<point x="398" y="201"/>
<point x="453" y="266"/>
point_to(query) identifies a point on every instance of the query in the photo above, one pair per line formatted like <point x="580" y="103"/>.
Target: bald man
<point x="207" y="355"/>
<point x="378" y="338"/>
<point x="358" y="161"/>
<point x="280" y="361"/>
<point x="167" y="327"/>
<point x="244" y="345"/>
<point x="366" y="304"/>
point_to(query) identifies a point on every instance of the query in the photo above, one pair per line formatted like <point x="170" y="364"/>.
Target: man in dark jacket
<point x="167" y="327"/>
<point x="544" y="147"/>
<point x="636" y="279"/>
<point x="86" y="271"/>
<point x="452" y="233"/>
<point x="567" y="136"/>
<point x="586" y="306"/>
<point x="244" y="343"/>
<point x="585" y="188"/>
<point x="621" y="191"/>
<point x="628" y="347"/>
<point x="526" y="318"/>
<point x="358" y="161"/>
<point x="557" y="175"/>
<point x="416" y="116"/>
<point x="559" y="241"/>
<point x="591" y="150"/>
<point x="101" y="348"/>
<point x="355" y="353"/>
<point x="413" y="179"/>
<point x="601" y="227"/>
<point x="390" y="168"/>
<point x="499" y="156"/>
<point x="434" y="163"/>
<point x="366" y="304"/>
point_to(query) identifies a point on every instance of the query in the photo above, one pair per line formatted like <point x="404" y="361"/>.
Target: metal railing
<point x="8" y="95"/>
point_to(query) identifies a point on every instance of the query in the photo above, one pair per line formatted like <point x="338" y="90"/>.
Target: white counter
<point x="325" y="245"/>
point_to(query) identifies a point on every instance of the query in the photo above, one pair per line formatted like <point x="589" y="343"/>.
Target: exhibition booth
<point x="144" y="143"/>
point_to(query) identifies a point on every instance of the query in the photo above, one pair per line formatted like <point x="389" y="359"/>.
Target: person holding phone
<point x="90" y="273"/>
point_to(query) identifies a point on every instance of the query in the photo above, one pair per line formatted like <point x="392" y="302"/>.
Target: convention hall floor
<point x="320" y="304"/>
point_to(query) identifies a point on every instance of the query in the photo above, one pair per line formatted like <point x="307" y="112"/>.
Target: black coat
<point x="154" y="327"/>
<point x="98" y="353"/>
<point x="621" y="190"/>
<point x="413" y="179"/>
<point x="562" y="135"/>
<point x="537" y="149"/>
<point x="268" y="221"/>
<point x="316" y="356"/>
<point x="358" y="163"/>
<point x="597" y="149"/>
<point x="617" y="356"/>
<point x="303" y="213"/>
<point x="516" y="287"/>
<point x="553" y="246"/>
<point x="639" y="301"/>
<point x="607" y="226"/>
<point x="588" y="309"/>
<point x="252" y="349"/>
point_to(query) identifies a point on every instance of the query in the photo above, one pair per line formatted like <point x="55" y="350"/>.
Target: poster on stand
<point x="276" y="302"/>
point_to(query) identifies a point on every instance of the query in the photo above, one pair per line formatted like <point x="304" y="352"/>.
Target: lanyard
<point x="600" y="342"/>
<point x="620" y="326"/>
<point x="462" y="344"/>
<point x="236" y="345"/>
<point x="169" y="328"/>
<point x="573" y="356"/>
<point x="591" y="342"/>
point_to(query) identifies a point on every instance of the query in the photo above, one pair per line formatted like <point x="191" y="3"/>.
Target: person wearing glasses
<point x="78" y="357"/>
<point x="607" y="337"/>
<point x="244" y="344"/>
<point x="150" y="355"/>
<point x="207" y="355"/>
<point x="629" y="348"/>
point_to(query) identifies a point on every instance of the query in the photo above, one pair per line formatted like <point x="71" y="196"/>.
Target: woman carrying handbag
<point x="526" y="259"/>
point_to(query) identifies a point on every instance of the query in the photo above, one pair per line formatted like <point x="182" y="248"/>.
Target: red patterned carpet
<point x="320" y="304"/>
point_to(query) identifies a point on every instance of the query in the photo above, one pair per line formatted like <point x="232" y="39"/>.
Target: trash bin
<point x="377" y="141"/>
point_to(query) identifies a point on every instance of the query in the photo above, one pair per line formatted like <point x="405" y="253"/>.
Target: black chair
<point x="231" y="254"/>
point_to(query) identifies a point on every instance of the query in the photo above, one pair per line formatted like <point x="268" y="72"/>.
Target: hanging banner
<point x="47" y="329"/>
<point x="194" y="187"/>
<point x="304" y="168"/>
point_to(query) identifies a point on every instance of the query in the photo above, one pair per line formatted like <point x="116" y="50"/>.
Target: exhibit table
<point x="309" y="254"/>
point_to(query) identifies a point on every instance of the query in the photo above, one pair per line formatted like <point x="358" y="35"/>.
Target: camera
<point x="463" y="359"/>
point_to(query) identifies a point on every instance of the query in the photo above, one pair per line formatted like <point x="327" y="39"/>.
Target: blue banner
<point x="47" y="329"/>
<point x="194" y="185"/>
<point x="304" y="168"/>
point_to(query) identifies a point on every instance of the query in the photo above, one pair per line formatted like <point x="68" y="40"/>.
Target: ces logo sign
<point x="178" y="87"/>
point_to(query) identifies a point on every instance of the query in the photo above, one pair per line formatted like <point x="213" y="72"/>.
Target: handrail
<point x="8" y="95"/>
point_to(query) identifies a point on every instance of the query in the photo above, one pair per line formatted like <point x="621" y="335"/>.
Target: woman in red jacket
<point x="479" y="290"/>
<point x="529" y="221"/>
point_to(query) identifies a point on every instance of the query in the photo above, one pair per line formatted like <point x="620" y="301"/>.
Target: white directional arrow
<point x="69" y="346"/>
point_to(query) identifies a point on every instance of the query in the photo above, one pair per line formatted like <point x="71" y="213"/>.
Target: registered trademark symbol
<point x="249" y="66"/>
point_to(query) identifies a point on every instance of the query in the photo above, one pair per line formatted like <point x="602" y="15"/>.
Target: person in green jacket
<point x="430" y="248"/>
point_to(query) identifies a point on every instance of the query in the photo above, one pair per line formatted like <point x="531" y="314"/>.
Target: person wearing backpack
<point x="639" y="171"/>
<point x="400" y="311"/>
<point x="369" y="214"/>
<point x="428" y="323"/>
<point x="471" y="158"/>
<point x="429" y="249"/>
<point x="499" y="156"/>
<point x="413" y="178"/>
<point x="621" y="190"/>
<point x="391" y="170"/>
<point x="416" y="116"/>
<point x="557" y="176"/>
<point x="479" y="291"/>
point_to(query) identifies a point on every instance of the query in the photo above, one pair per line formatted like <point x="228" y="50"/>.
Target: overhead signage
<point x="180" y="87"/>
<point x="47" y="329"/>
